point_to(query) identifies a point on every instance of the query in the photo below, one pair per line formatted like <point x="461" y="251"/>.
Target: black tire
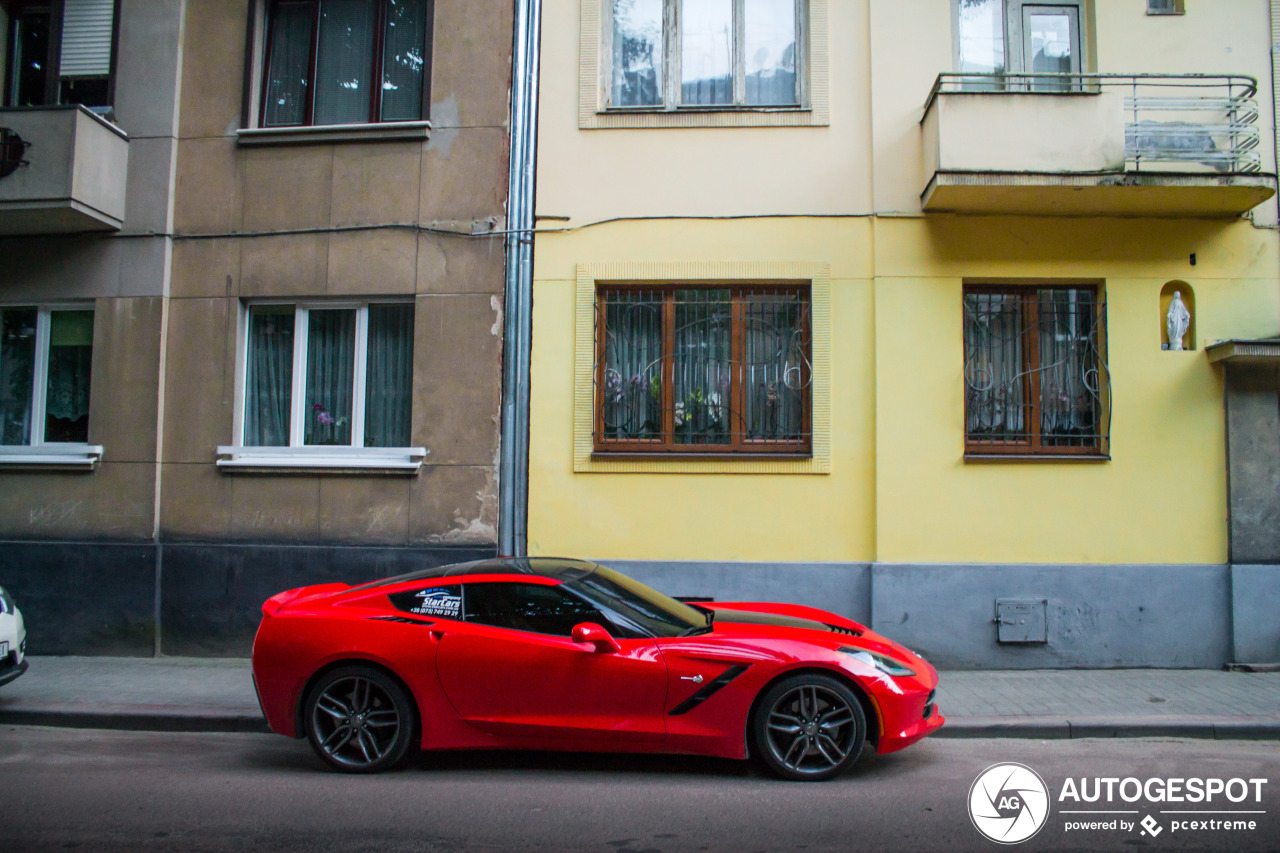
<point x="808" y="728"/>
<point x="359" y="719"/>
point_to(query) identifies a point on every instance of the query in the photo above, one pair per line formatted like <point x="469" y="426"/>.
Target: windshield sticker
<point x="436" y="602"/>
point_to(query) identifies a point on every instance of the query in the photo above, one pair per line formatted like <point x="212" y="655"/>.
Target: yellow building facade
<point x="938" y="157"/>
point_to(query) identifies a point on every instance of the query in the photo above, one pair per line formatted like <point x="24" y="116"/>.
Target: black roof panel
<point x="560" y="568"/>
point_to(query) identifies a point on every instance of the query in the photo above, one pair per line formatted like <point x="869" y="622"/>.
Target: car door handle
<point x="696" y="679"/>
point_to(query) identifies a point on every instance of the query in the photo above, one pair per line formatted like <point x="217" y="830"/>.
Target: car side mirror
<point x="590" y="632"/>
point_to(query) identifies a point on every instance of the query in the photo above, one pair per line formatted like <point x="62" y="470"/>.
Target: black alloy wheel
<point x="809" y="728"/>
<point x="359" y="719"/>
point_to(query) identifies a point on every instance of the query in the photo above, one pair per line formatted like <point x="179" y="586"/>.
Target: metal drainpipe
<point x="513" y="466"/>
<point x="1275" y="83"/>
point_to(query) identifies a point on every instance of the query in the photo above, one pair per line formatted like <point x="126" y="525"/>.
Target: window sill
<point x="389" y="131"/>
<point x="366" y="461"/>
<point x="708" y="108"/>
<point x="692" y="454"/>
<point x="50" y="457"/>
<point x="1037" y="457"/>
<point x="712" y="116"/>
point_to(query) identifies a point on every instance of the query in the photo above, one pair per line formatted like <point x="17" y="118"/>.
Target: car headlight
<point x="6" y="602"/>
<point x="885" y="664"/>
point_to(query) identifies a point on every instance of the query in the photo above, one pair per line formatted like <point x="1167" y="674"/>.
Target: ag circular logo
<point x="1008" y="803"/>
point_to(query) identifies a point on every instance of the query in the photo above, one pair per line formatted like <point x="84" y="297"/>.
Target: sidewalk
<point x="206" y="694"/>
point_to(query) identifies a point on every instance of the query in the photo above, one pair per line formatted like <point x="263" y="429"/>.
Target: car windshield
<point x="658" y="614"/>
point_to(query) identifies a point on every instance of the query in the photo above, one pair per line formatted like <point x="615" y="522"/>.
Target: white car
<point x="13" y="640"/>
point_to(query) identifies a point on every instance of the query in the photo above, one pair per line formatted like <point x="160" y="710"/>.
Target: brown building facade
<point x="281" y="363"/>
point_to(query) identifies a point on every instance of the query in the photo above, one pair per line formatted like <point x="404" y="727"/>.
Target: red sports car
<point x="545" y="653"/>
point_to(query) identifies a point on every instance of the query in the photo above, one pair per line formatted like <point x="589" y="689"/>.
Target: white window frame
<point x="1012" y="16"/>
<point x="39" y="452"/>
<point x="297" y="454"/>
<point x="672" y="51"/>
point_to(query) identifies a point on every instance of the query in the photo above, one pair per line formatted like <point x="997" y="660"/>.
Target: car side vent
<point x="404" y="619"/>
<point x="839" y="629"/>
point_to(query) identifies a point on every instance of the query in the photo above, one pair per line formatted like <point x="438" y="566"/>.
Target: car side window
<point x="442" y="601"/>
<point x="529" y="607"/>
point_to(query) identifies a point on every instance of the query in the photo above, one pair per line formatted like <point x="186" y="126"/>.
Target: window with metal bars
<point x="706" y="369"/>
<point x="1035" y="369"/>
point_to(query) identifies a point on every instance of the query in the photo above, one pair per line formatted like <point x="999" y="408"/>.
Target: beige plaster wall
<point x="589" y="175"/>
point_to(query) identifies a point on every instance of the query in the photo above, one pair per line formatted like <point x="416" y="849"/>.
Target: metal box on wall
<point x="1021" y="620"/>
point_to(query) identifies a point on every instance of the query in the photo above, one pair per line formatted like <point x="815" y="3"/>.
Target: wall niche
<point x="1189" y="302"/>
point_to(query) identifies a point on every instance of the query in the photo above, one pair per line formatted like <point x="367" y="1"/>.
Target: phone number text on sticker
<point x="437" y="602"/>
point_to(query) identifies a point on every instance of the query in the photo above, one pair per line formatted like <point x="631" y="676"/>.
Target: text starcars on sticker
<point x="13" y="639"/>
<point x="545" y="653"/>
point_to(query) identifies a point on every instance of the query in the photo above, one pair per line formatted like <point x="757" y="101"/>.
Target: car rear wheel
<point x="809" y="728"/>
<point x="359" y="719"/>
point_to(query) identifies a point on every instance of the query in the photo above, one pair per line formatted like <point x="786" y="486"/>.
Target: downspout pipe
<point x="513" y="464"/>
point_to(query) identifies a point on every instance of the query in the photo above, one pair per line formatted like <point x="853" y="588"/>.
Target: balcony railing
<point x="1173" y="122"/>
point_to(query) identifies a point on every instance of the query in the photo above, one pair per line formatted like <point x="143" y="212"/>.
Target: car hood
<point x="798" y="622"/>
<point x="730" y="615"/>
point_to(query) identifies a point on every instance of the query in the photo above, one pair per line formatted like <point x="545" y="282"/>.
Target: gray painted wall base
<point x="1095" y="615"/>
<point x="103" y="598"/>
<point x="1255" y="605"/>
<point x="843" y="588"/>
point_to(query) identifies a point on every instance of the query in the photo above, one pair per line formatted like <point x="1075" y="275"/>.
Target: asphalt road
<point x="68" y="789"/>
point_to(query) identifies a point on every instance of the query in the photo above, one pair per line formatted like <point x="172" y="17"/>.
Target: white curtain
<point x="769" y="52"/>
<point x="17" y="369"/>
<point x="269" y="386"/>
<point x="403" y="61"/>
<point x="344" y="62"/>
<point x="331" y="356"/>
<point x="288" y="66"/>
<point x="389" y="386"/>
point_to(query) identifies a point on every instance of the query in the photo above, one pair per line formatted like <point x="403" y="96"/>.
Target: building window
<point x="328" y="375"/>
<point x="703" y="369"/>
<point x="334" y="62"/>
<point x="45" y="360"/>
<point x="998" y="37"/>
<point x="706" y="53"/>
<point x="1035" y="368"/>
<point x="1166" y="7"/>
<point x="61" y="52"/>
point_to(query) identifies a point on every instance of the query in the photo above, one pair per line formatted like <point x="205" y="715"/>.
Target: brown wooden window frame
<point x="1093" y="383"/>
<point x="373" y="116"/>
<point x="797" y="444"/>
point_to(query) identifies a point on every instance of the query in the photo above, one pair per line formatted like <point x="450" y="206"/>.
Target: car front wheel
<point x="359" y="719"/>
<point x="809" y="728"/>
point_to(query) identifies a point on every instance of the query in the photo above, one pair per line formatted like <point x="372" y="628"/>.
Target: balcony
<point x="1093" y="145"/>
<point x="62" y="169"/>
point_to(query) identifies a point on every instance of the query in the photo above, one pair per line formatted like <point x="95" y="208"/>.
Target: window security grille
<point x="1036" y="377"/>
<point x="711" y="369"/>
